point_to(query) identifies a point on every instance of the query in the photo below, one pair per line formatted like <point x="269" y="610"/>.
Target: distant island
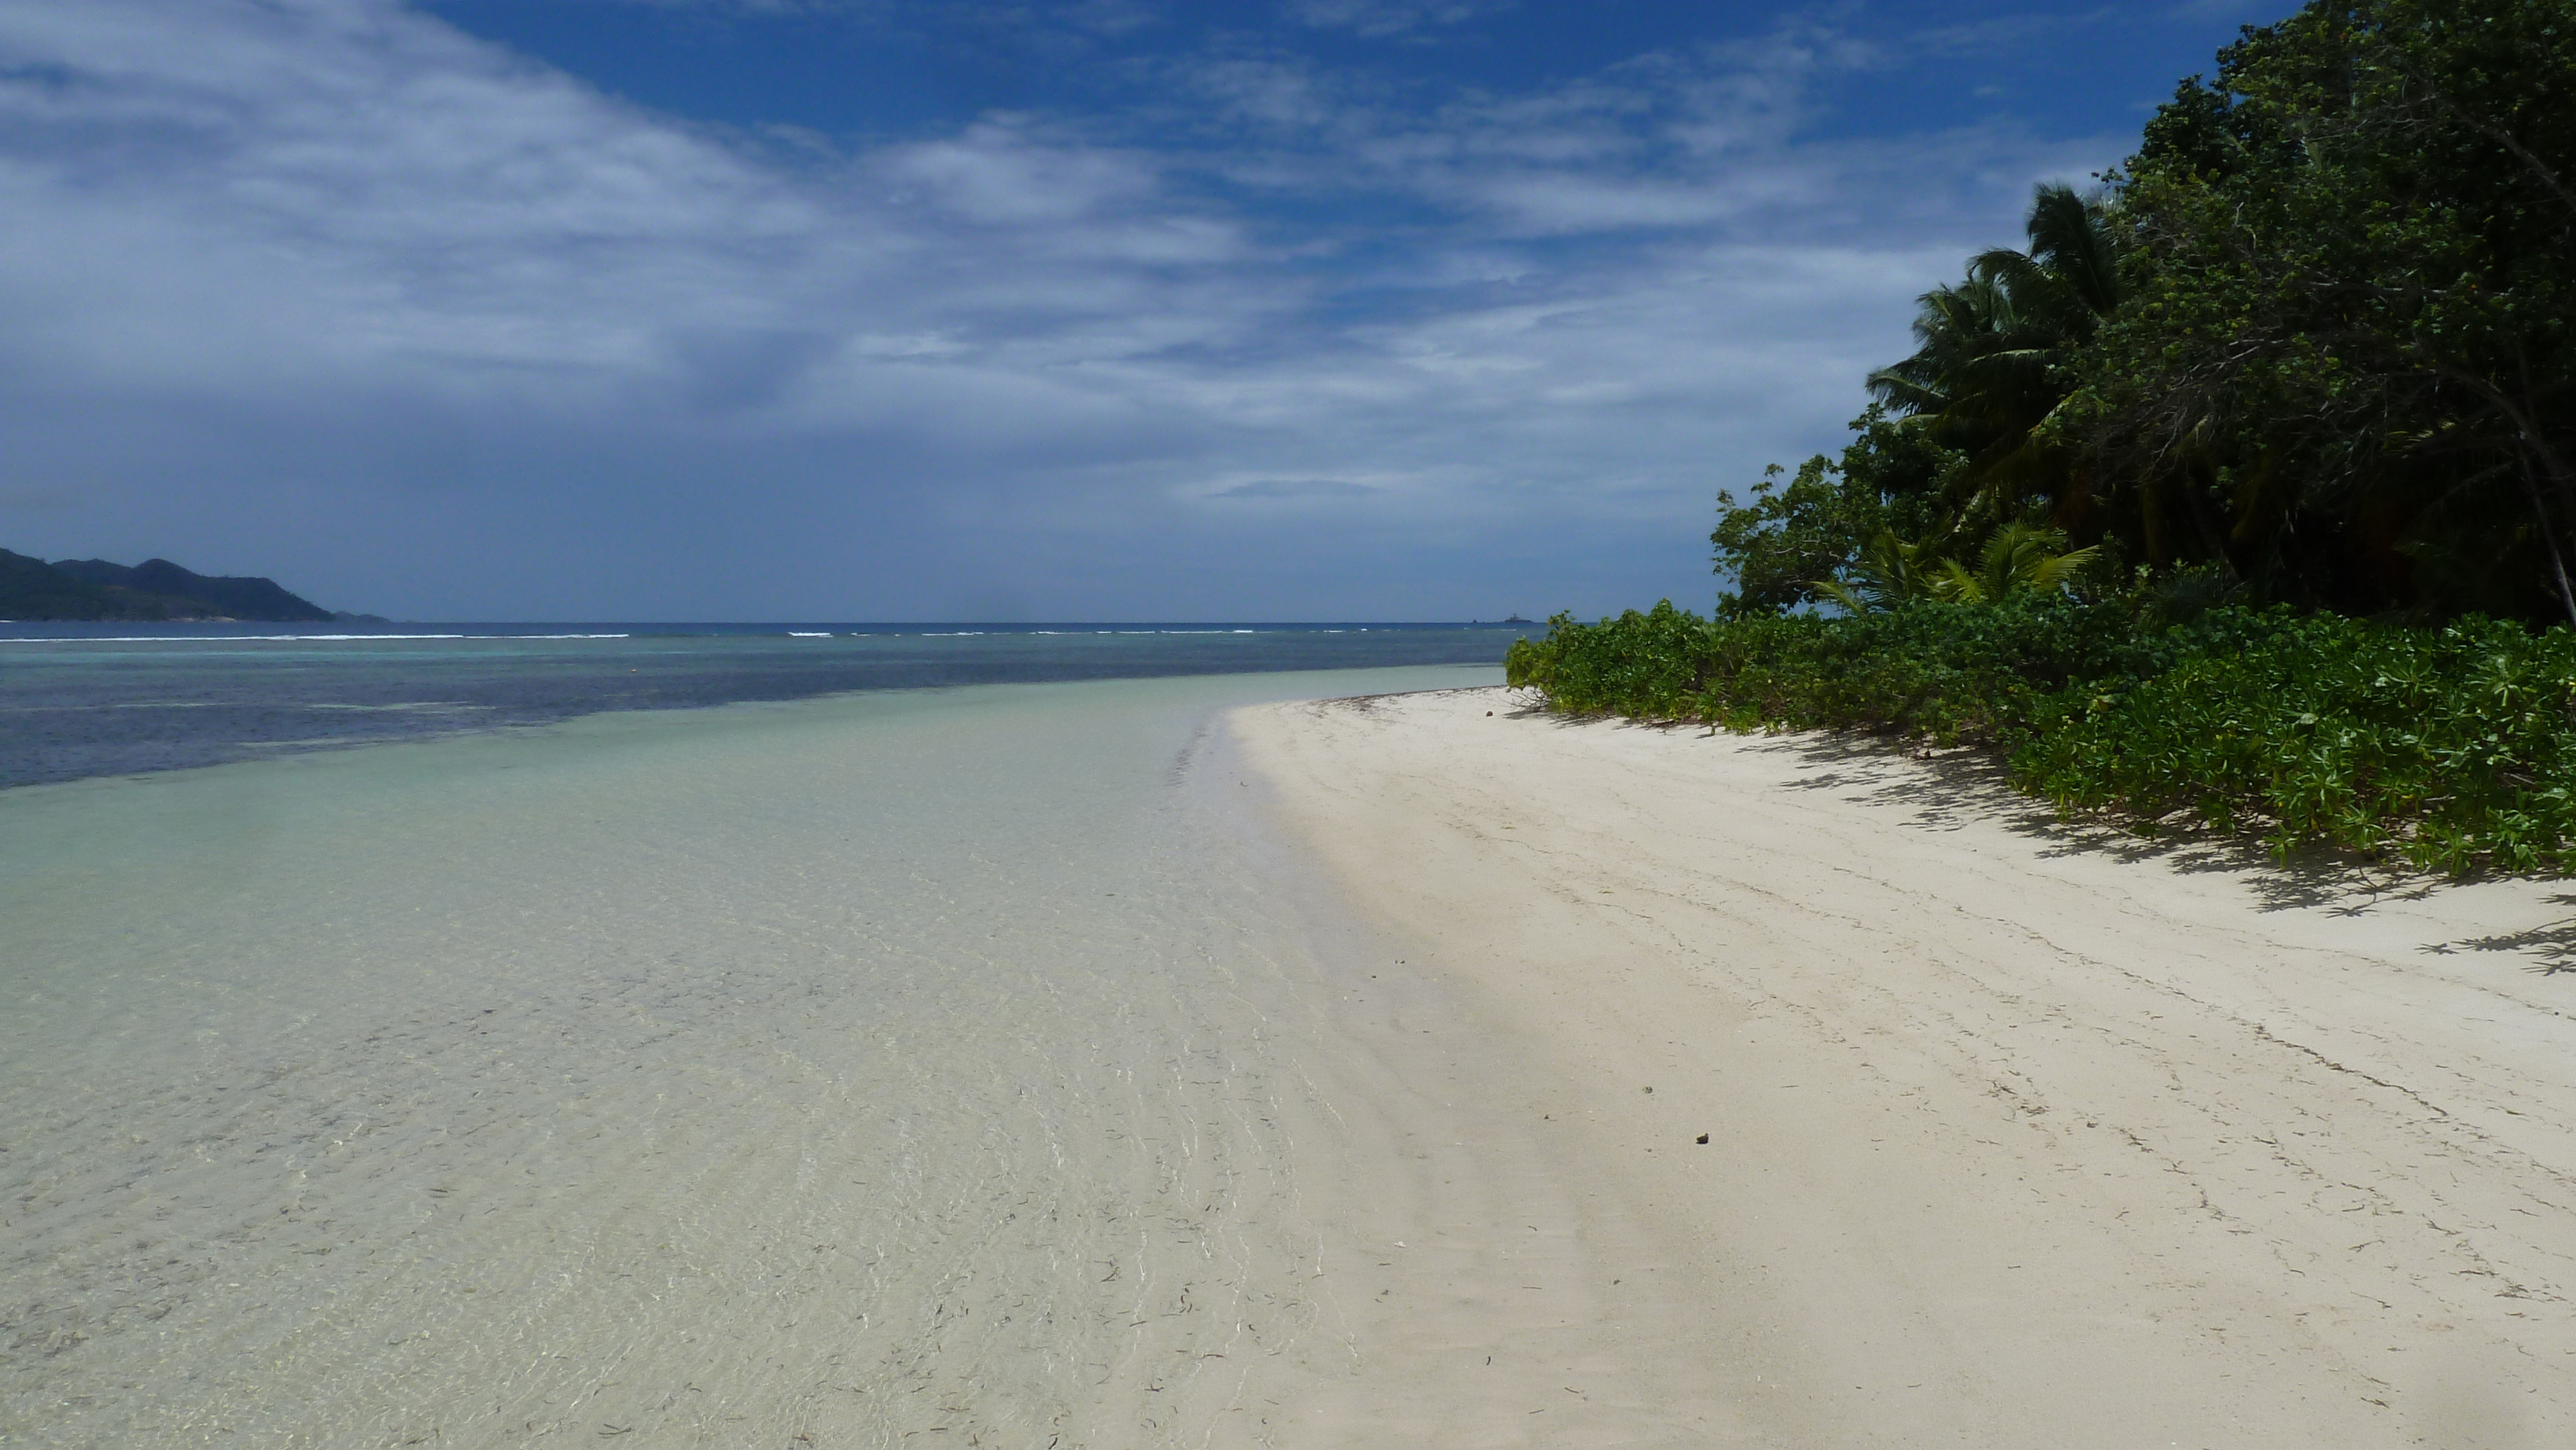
<point x="66" y="589"/>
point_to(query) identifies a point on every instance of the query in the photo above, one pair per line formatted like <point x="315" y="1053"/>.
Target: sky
<point x="956" y="309"/>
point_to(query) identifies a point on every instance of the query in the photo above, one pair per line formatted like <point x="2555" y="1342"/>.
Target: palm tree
<point x="1989" y="363"/>
<point x="1888" y="573"/>
<point x="2021" y="555"/>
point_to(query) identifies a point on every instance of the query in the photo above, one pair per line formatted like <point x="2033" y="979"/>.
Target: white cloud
<point x="1291" y="488"/>
<point x="993" y="173"/>
<point x="332" y="271"/>
<point x="1389" y="17"/>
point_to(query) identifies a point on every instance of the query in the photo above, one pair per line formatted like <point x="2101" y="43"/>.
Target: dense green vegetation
<point x="2243" y="495"/>
<point x="2449" y="748"/>
<point x="2317" y="338"/>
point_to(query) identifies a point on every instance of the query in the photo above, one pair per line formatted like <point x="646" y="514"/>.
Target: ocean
<point x="887" y="1066"/>
<point x="83" y="700"/>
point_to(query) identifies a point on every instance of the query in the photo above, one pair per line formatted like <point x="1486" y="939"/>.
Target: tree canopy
<point x="2311" y="344"/>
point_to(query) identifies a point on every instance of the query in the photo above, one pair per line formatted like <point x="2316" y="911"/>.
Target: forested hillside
<point x="154" y="589"/>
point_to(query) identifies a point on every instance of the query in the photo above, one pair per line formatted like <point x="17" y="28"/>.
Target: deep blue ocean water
<point x="81" y="700"/>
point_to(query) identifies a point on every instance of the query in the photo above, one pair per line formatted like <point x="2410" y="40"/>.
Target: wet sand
<point x="2017" y="1135"/>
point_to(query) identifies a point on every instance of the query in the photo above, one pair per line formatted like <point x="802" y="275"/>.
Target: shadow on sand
<point x="2552" y="948"/>
<point x="1944" y="789"/>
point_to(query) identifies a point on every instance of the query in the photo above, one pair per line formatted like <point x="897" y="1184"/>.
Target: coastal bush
<point x="2447" y="748"/>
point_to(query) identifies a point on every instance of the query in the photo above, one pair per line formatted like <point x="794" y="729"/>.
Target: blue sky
<point x="922" y="309"/>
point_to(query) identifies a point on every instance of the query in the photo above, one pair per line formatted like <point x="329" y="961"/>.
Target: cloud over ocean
<point x="1323" y="310"/>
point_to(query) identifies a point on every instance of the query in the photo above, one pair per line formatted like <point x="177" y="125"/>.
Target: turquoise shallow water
<point x="80" y="700"/>
<point x="864" y="1068"/>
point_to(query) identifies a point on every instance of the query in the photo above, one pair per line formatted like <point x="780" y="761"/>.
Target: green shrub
<point x="2450" y="748"/>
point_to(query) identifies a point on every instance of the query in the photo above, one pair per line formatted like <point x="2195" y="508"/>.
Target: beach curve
<point x="2016" y="1136"/>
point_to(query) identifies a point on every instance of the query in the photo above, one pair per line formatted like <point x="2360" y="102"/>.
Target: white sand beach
<point x="2017" y="1135"/>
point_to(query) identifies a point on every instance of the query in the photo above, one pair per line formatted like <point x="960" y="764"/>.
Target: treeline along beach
<point x="2241" y="498"/>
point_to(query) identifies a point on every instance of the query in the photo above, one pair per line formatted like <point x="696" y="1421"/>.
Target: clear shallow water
<point x="913" y="1068"/>
<point x="82" y="700"/>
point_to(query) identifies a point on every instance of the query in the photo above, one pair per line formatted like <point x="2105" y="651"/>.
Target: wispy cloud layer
<point x="361" y="300"/>
<point x="1388" y="17"/>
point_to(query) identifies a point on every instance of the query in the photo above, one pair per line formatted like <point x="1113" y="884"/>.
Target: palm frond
<point x="2057" y="571"/>
<point x="1958" y="585"/>
<point x="1843" y="594"/>
<point x="1905" y="395"/>
<point x="2072" y="236"/>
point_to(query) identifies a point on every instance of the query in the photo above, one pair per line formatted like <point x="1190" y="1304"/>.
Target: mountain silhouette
<point x="30" y="588"/>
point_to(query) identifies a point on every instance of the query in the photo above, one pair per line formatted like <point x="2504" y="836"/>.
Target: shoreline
<point x="1136" y="1063"/>
<point x="2014" y="1140"/>
<point x="1485" y="1284"/>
